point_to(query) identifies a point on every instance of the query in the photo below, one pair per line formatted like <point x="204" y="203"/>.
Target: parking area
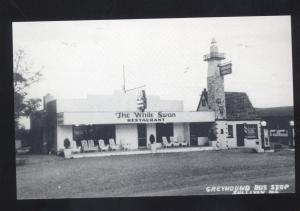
<point x="182" y="173"/>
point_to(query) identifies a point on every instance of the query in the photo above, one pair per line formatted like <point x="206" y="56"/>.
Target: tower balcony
<point x="214" y="56"/>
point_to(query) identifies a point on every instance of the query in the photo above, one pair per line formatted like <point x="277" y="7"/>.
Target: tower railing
<point x="214" y="55"/>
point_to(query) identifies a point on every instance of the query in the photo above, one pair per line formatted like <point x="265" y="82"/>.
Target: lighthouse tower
<point x="215" y="81"/>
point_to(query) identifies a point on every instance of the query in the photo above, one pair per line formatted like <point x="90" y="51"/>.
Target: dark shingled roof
<point x="239" y="107"/>
<point x="284" y="111"/>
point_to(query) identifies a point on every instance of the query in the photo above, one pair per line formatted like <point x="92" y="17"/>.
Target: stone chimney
<point x="46" y="99"/>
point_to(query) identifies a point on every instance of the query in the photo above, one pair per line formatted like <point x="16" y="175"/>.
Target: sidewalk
<point x="143" y="151"/>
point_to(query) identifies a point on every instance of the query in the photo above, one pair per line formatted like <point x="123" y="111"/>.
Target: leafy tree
<point x="23" y="78"/>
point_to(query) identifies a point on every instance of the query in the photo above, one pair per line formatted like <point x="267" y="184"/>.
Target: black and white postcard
<point x="154" y="107"/>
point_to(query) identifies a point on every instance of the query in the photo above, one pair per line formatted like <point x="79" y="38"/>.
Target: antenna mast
<point x="124" y="88"/>
<point x="124" y="79"/>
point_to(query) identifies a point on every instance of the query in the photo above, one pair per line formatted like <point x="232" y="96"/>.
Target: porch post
<point x="189" y="134"/>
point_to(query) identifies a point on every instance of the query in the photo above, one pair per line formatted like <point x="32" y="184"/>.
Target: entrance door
<point x="142" y="135"/>
<point x="240" y="135"/>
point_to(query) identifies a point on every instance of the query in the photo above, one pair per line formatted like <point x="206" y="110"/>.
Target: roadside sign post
<point x="265" y="135"/>
<point x="292" y="135"/>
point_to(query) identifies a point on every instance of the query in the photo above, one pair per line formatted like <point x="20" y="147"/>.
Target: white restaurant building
<point x="229" y="114"/>
<point x="116" y="116"/>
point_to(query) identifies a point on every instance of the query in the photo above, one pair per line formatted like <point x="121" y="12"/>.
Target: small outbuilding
<point x="237" y="124"/>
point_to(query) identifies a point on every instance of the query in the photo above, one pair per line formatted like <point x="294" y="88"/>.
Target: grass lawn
<point x="184" y="173"/>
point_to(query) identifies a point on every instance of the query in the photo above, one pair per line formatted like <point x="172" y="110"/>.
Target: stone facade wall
<point x="222" y="133"/>
<point x="216" y="96"/>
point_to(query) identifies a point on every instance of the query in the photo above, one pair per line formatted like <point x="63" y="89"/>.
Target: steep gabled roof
<point x="239" y="107"/>
<point x="203" y="102"/>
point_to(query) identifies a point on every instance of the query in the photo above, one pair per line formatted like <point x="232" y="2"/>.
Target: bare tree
<point x="24" y="76"/>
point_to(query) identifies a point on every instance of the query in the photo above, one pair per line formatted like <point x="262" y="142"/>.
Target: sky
<point x="79" y="58"/>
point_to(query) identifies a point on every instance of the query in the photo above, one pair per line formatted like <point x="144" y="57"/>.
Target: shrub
<point x="152" y="139"/>
<point x="67" y="143"/>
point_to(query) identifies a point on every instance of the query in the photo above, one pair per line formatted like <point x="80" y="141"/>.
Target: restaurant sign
<point x="145" y="117"/>
<point x="131" y="117"/>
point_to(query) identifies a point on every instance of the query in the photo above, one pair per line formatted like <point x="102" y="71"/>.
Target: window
<point x="163" y="130"/>
<point x="95" y="132"/>
<point x="252" y="132"/>
<point x="230" y="131"/>
<point x="80" y="133"/>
